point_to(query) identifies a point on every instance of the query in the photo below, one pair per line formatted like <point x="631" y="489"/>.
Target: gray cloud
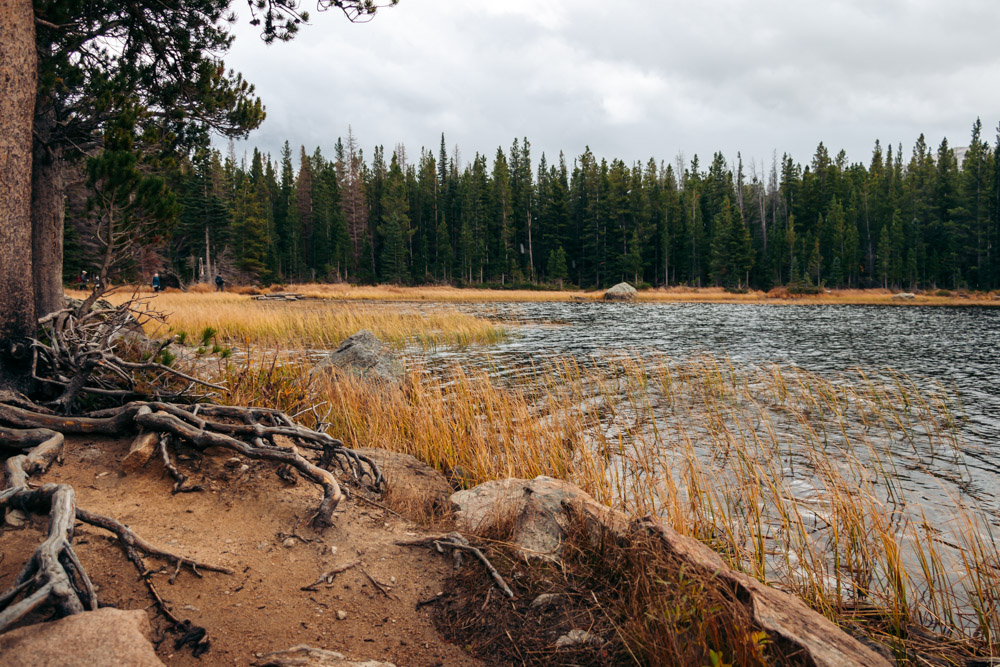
<point x="633" y="79"/>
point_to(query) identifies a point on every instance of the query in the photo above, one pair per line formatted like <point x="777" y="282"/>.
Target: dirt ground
<point x="244" y="520"/>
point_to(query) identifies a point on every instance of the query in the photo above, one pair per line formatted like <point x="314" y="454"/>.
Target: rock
<point x="807" y="633"/>
<point x="546" y="600"/>
<point x="413" y="488"/>
<point x="537" y="510"/>
<point x="620" y="292"/>
<point x="575" y="638"/>
<point x="904" y="296"/>
<point x="289" y="542"/>
<point x="143" y="448"/>
<point x="103" y="637"/>
<point x="15" y="519"/>
<point x="540" y="511"/>
<point x="307" y="656"/>
<point x="365" y="356"/>
<point x="341" y="615"/>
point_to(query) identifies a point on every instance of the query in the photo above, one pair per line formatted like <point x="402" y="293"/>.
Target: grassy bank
<point x="794" y="478"/>
<point x="238" y="321"/>
<point x="658" y="295"/>
<point x="779" y="295"/>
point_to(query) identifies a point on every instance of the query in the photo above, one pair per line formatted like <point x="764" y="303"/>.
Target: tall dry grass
<point x="238" y="320"/>
<point x="676" y="294"/>
<point x="800" y="480"/>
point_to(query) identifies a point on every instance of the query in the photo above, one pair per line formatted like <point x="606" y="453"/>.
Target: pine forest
<point x="930" y="220"/>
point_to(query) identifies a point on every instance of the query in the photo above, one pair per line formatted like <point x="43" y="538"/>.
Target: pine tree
<point x="395" y="225"/>
<point x="556" y="269"/>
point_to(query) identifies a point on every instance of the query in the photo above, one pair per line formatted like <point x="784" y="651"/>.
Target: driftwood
<point x="78" y="353"/>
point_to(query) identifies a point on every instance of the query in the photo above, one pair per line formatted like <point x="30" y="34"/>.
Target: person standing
<point x="220" y="283"/>
<point x="156" y="282"/>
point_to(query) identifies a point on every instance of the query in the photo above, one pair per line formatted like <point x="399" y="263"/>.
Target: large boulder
<point x="413" y="488"/>
<point x="364" y="355"/>
<point x="540" y="511"/>
<point x="620" y="292"/>
<point x="92" y="639"/>
<point x="307" y="656"/>
<point x="536" y="509"/>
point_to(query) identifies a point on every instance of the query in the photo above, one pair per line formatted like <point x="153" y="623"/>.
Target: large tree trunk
<point x="18" y="80"/>
<point x="47" y="214"/>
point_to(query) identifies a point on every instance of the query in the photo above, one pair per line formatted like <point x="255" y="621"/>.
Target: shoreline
<point x="444" y="294"/>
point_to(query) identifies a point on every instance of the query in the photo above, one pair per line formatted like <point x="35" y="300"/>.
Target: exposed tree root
<point x="77" y="355"/>
<point x="54" y="575"/>
<point x="457" y="543"/>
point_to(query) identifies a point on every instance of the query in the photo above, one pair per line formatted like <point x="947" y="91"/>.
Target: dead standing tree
<point x="78" y="354"/>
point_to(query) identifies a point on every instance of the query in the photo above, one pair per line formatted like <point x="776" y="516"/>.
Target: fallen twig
<point x="328" y="577"/>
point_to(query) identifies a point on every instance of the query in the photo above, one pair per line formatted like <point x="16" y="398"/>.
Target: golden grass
<point x="659" y="295"/>
<point x="794" y="478"/>
<point x="679" y="294"/>
<point x="238" y="320"/>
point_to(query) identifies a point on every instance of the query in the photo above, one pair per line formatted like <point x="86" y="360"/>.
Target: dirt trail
<point x="242" y="520"/>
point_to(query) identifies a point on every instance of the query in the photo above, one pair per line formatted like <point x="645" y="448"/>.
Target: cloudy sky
<point x="633" y="78"/>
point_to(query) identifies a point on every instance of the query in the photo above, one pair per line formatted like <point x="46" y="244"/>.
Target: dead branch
<point x="379" y="587"/>
<point x="328" y="577"/>
<point x="456" y="542"/>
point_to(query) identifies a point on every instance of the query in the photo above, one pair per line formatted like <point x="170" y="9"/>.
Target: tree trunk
<point x="18" y="81"/>
<point x="48" y="208"/>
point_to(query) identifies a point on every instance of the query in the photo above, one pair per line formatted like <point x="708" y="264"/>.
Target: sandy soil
<point x="243" y="521"/>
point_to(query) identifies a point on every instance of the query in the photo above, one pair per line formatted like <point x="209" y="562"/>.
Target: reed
<point x="794" y="478"/>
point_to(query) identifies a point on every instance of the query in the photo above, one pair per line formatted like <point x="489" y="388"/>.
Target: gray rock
<point x="15" y="519"/>
<point x="364" y="355"/>
<point x="537" y="510"/>
<point x="620" y="292"/>
<point x="577" y="638"/>
<point x="546" y="600"/>
<point x="307" y="656"/>
<point x="103" y="637"/>
<point x="904" y="296"/>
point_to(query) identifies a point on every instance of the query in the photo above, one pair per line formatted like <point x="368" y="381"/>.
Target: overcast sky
<point x="632" y="79"/>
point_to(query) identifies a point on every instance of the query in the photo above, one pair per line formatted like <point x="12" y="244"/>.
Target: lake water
<point x="957" y="347"/>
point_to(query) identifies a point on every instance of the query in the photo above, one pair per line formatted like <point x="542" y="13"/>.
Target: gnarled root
<point x="54" y="575"/>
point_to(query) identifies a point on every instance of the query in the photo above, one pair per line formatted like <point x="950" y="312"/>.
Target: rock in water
<point x="364" y="355"/>
<point x="620" y="292"/>
<point x="103" y="637"/>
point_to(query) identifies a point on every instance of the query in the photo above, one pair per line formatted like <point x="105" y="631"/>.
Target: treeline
<point x="932" y="220"/>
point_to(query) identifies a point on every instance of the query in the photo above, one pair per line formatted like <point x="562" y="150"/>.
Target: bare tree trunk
<point x="18" y="82"/>
<point x="48" y="209"/>
<point x="208" y="258"/>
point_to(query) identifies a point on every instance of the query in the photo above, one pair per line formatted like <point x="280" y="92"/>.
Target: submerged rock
<point x="620" y="292"/>
<point x="365" y="356"/>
